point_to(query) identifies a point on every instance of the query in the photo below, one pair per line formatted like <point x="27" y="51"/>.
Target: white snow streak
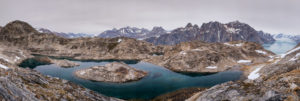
<point x="236" y="45"/>
<point x="119" y="40"/>
<point x="5" y="59"/>
<point x="3" y="66"/>
<point x="244" y="61"/>
<point x="295" y="58"/>
<point x="182" y="53"/>
<point x="82" y="72"/>
<point x="254" y="74"/>
<point x="289" y="52"/>
<point x="212" y="67"/>
<point x="261" y="52"/>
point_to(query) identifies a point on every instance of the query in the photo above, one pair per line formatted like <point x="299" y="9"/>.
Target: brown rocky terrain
<point x="211" y="57"/>
<point x="178" y="95"/>
<point x="278" y="80"/>
<point x="112" y="72"/>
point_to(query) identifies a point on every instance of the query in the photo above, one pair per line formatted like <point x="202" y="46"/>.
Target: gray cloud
<point x="95" y="16"/>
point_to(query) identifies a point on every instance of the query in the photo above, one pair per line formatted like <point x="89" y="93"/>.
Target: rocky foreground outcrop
<point x="112" y="72"/>
<point x="278" y="80"/>
<point x="19" y="84"/>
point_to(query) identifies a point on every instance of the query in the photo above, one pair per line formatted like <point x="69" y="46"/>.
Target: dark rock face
<point x="213" y="32"/>
<point x="233" y="31"/>
<point x="176" y="36"/>
<point x="133" y="32"/>
<point x="112" y="72"/>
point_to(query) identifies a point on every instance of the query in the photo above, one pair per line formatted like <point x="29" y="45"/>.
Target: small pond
<point x="158" y="81"/>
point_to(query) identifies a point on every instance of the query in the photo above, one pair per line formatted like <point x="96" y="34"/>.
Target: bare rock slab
<point x="113" y="72"/>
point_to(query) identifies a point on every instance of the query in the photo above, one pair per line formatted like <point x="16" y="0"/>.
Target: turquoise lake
<point x="158" y="81"/>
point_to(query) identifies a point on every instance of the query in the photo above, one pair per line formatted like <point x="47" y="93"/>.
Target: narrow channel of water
<point x="158" y="81"/>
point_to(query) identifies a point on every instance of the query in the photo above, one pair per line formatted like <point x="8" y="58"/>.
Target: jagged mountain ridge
<point x="65" y="35"/>
<point x="296" y="38"/>
<point x="209" y="32"/>
<point x="133" y="32"/>
<point x="213" y="32"/>
<point x="176" y="36"/>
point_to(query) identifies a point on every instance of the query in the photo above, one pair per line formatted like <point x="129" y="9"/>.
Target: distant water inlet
<point x="281" y="45"/>
<point x="158" y="81"/>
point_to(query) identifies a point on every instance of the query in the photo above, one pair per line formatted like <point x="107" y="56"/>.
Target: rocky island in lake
<point x="112" y="72"/>
<point x="64" y="63"/>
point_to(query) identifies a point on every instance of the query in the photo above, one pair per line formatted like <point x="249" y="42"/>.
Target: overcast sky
<point x="95" y="16"/>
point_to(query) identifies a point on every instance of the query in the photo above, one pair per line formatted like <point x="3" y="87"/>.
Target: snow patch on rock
<point x="244" y="61"/>
<point x="295" y="57"/>
<point x="234" y="45"/>
<point x="3" y="66"/>
<point x="254" y="74"/>
<point x="119" y="40"/>
<point x="82" y="72"/>
<point x="182" y="53"/>
<point x="211" y="67"/>
<point x="17" y="58"/>
<point x="289" y="52"/>
<point x="260" y="51"/>
<point x="232" y="30"/>
<point x="5" y="59"/>
<point x="196" y="49"/>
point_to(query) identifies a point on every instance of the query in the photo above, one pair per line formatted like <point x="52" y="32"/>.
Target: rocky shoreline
<point x="268" y="77"/>
<point x="19" y="84"/>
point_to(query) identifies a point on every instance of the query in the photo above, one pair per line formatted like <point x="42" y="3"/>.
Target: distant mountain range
<point x="296" y="38"/>
<point x="133" y="32"/>
<point x="208" y="32"/>
<point x="65" y="35"/>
